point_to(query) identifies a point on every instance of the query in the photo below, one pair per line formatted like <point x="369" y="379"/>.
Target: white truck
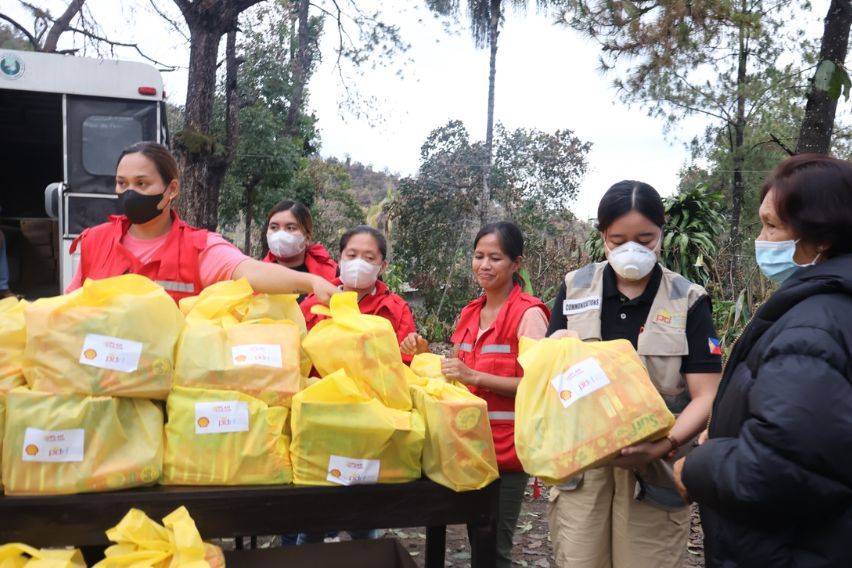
<point x="64" y="120"/>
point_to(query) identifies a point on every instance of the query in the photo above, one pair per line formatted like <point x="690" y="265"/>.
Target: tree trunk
<point x="818" y="124"/>
<point x="61" y="24"/>
<point x="493" y="33"/>
<point x="738" y="183"/>
<point x="300" y="65"/>
<point x="248" y="193"/>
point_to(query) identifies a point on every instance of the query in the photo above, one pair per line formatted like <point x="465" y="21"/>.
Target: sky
<point x="547" y="78"/>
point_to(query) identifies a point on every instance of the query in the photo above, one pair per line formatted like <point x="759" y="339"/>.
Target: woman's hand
<point x="564" y="333"/>
<point x="454" y="369"/>
<point x="641" y="454"/>
<point x="677" y="471"/>
<point x="323" y="289"/>
<point x="414" y="344"/>
<point x="703" y="437"/>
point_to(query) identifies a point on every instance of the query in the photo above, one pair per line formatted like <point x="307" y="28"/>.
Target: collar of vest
<point x="468" y="327"/>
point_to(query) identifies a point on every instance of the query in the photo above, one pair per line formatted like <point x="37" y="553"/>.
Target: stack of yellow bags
<point x="459" y="450"/>
<point x="13" y="339"/>
<point x="93" y="359"/>
<point x="580" y="404"/>
<point x="239" y="364"/>
<point x="356" y="425"/>
<point x="16" y="555"/>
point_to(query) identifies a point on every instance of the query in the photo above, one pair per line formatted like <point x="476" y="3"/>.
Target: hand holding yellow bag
<point x="459" y="450"/>
<point x="580" y="403"/>
<point x="230" y="343"/>
<point x="16" y="555"/>
<point x="13" y="339"/>
<point x="343" y="436"/>
<point x="364" y="346"/>
<point x="143" y="543"/>
<point x="224" y="438"/>
<point x="112" y="337"/>
<point x="57" y="444"/>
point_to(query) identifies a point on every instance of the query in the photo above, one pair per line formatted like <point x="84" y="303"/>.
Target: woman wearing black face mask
<point x="151" y="240"/>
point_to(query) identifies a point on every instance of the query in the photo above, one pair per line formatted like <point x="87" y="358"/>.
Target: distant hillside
<point x="369" y="186"/>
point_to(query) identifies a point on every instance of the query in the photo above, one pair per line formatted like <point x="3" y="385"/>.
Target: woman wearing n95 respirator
<point x="629" y="513"/>
<point x="289" y="229"/>
<point x="363" y="259"/>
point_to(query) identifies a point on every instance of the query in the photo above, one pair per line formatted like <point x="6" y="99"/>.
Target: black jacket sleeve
<point x="557" y="317"/>
<point x="794" y="451"/>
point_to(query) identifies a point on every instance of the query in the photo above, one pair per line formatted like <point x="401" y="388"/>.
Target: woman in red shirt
<point x="363" y="252"/>
<point x="151" y="240"/>
<point x="289" y="229"/>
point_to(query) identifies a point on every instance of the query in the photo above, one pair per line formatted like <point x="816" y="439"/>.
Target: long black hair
<point x="379" y="237"/>
<point x="627" y="196"/>
<point x="299" y="211"/>
<point x="511" y="241"/>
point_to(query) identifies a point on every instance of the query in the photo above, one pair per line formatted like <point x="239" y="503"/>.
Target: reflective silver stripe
<point x="176" y="286"/>
<point x="465" y="347"/>
<point x="501" y="415"/>
<point x="496" y="349"/>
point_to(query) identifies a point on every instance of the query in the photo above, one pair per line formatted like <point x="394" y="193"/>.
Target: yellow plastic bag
<point x="2" y="428"/>
<point x="233" y="301"/>
<point x="17" y="555"/>
<point x="112" y="337"/>
<point x="343" y="436"/>
<point x="75" y="444"/>
<point x="581" y="403"/>
<point x="216" y="437"/>
<point x="364" y="346"/>
<point x="13" y="339"/>
<point x="459" y="450"/>
<point x="231" y="343"/>
<point x="143" y="543"/>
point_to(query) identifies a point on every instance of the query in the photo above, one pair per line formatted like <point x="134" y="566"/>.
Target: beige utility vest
<point x="662" y="344"/>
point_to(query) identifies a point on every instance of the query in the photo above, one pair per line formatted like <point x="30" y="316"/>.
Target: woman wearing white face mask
<point x="628" y="513"/>
<point x="289" y="229"/>
<point x="363" y="252"/>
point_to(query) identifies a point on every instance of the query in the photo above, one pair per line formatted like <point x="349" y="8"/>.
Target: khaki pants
<point x="600" y="525"/>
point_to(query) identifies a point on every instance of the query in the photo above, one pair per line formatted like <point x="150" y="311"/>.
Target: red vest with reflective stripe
<point x="174" y="266"/>
<point x="496" y="353"/>
<point x="317" y="261"/>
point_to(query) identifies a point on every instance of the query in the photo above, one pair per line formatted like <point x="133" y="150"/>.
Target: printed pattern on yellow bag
<point x="56" y="444"/>
<point x="217" y="437"/>
<point x="230" y="342"/>
<point x="13" y="339"/>
<point x="581" y="403"/>
<point x="343" y="436"/>
<point x="112" y="337"/>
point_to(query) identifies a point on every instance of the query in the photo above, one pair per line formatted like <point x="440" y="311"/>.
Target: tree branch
<point x="21" y="29"/>
<point x="173" y="23"/>
<point x="781" y="144"/>
<point x="62" y="24"/>
<point x="96" y="37"/>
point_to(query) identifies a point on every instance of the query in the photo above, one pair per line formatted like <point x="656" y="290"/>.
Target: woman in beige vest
<point x="628" y="514"/>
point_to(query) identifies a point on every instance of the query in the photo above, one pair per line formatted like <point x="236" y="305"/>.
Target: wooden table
<point x="224" y="512"/>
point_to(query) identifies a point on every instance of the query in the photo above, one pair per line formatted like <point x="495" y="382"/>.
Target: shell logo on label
<point x="240" y="359"/>
<point x="90" y="354"/>
<point x="565" y="395"/>
<point x="468" y="418"/>
<point x="204" y="422"/>
<point x="31" y="450"/>
<point x="335" y="473"/>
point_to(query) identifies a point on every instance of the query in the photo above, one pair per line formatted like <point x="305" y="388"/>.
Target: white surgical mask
<point x="285" y="244"/>
<point x="631" y="260"/>
<point x="359" y="274"/>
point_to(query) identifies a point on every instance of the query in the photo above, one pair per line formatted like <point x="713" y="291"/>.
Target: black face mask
<point x="138" y="207"/>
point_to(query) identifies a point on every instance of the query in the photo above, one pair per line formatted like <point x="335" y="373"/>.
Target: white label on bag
<point x="580" y="305"/>
<point x="350" y="471"/>
<point x="111" y="353"/>
<point x="221" y="417"/>
<point x="265" y="355"/>
<point x="53" y="445"/>
<point x="580" y="380"/>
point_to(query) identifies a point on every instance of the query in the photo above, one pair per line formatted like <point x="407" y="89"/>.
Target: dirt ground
<point x="532" y="541"/>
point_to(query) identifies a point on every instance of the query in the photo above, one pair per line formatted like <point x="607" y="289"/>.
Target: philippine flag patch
<point x="715" y="346"/>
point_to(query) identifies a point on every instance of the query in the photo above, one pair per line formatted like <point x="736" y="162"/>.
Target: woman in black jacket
<point x="774" y="478"/>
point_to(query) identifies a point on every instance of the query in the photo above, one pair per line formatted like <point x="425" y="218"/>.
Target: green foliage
<point x="832" y="78"/>
<point x="694" y="222"/>
<point x="535" y="176"/>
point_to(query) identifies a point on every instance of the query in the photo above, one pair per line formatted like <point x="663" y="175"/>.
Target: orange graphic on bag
<point x="31" y="450"/>
<point x="204" y="422"/>
<point x="335" y="473"/>
<point x="90" y="354"/>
